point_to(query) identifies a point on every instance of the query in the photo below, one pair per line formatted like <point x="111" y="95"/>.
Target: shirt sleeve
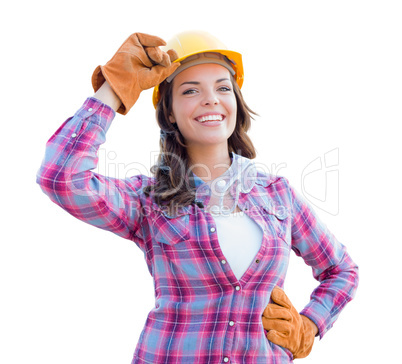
<point x="331" y="264"/>
<point x="66" y="174"/>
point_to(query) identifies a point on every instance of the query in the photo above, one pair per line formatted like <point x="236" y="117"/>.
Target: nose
<point x="210" y="98"/>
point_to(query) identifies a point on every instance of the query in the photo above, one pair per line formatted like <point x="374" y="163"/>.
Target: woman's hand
<point x="286" y="327"/>
<point x="139" y="64"/>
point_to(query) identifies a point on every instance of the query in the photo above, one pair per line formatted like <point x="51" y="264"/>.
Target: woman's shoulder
<point x="139" y="182"/>
<point x="266" y="179"/>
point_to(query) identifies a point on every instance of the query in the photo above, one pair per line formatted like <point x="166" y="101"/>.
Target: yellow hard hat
<point x="190" y="43"/>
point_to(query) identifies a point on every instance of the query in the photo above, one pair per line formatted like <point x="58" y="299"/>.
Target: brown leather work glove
<point x="286" y="327"/>
<point x="139" y="64"/>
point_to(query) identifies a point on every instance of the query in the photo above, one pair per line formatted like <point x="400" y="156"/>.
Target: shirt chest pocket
<point x="170" y="230"/>
<point x="277" y="220"/>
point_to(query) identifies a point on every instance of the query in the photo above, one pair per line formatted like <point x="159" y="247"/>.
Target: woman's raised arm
<point x="66" y="174"/>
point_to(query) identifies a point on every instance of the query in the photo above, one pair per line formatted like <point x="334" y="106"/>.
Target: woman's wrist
<point x="108" y="96"/>
<point x="312" y="325"/>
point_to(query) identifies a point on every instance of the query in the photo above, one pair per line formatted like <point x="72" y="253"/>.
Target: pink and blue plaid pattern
<point x="203" y="313"/>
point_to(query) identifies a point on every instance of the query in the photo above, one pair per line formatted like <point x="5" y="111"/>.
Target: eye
<point x="189" y="92"/>
<point x="224" y="89"/>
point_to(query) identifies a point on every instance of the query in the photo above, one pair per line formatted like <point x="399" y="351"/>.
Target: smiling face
<point x="204" y="105"/>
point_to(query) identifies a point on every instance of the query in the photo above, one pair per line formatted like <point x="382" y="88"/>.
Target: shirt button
<point x="225" y="359"/>
<point x="73" y="135"/>
<point x="212" y="230"/>
<point x="237" y="288"/>
<point x="223" y="261"/>
<point x="231" y="323"/>
<point x="90" y="109"/>
<point x="257" y="261"/>
<point x="281" y="212"/>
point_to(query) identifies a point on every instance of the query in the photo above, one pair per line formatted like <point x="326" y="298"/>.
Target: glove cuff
<point x="99" y="77"/>
<point x="307" y="339"/>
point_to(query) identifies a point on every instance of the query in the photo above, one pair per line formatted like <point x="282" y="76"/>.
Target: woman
<point x="216" y="233"/>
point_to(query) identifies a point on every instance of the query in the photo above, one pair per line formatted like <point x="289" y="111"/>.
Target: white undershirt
<point x="240" y="240"/>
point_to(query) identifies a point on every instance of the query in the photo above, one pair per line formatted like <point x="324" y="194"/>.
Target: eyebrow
<point x="197" y="83"/>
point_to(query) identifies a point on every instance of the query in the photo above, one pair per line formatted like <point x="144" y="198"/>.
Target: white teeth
<point x="210" y="118"/>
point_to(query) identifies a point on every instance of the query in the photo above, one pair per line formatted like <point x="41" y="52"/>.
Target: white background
<point x="323" y="75"/>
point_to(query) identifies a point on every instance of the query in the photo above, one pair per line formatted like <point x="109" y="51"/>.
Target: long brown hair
<point x="173" y="187"/>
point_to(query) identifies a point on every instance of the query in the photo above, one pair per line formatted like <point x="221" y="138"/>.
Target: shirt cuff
<point x="320" y="316"/>
<point x="96" y="112"/>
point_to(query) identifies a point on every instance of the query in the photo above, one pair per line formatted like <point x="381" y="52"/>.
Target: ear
<point x="172" y="119"/>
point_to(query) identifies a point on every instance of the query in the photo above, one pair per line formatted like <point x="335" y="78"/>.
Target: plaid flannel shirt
<point x="202" y="313"/>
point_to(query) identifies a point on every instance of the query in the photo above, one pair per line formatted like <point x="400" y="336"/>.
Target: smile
<point x="215" y="117"/>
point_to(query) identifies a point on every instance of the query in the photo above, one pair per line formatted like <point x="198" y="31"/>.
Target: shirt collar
<point x="241" y="172"/>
